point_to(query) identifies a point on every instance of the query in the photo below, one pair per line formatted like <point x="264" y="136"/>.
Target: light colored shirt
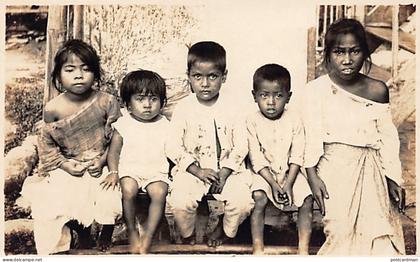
<point x="334" y="115"/>
<point x="143" y="152"/>
<point x="275" y="143"/>
<point x="193" y="135"/>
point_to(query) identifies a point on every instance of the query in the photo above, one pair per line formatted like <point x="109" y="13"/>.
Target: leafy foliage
<point x="23" y="106"/>
<point x="123" y="33"/>
<point x="19" y="243"/>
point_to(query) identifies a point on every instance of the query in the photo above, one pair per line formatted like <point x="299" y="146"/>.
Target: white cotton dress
<point x="143" y="156"/>
<point x="355" y="146"/>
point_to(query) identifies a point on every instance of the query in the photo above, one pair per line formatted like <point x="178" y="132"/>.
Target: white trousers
<point x="187" y="190"/>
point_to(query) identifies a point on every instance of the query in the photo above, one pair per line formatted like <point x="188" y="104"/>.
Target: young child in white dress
<point x="276" y="150"/>
<point x="143" y="165"/>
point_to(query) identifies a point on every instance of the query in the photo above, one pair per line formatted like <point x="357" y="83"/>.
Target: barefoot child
<point x="143" y="164"/>
<point x="352" y="150"/>
<point x="208" y="150"/>
<point x="73" y="148"/>
<point x="276" y="148"/>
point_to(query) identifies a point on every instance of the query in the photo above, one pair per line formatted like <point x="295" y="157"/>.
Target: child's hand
<point x="95" y="169"/>
<point x="207" y="175"/>
<point x="111" y="180"/>
<point x="74" y="168"/>
<point x="223" y="174"/>
<point x="397" y="194"/>
<point x="318" y="188"/>
<point x="217" y="187"/>
<point x="289" y="193"/>
<point x="278" y="194"/>
<point x="108" y="130"/>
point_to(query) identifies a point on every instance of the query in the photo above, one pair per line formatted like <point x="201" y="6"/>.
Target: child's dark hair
<point x="347" y="26"/>
<point x="84" y="51"/>
<point x="142" y="81"/>
<point x="272" y="72"/>
<point x="207" y="51"/>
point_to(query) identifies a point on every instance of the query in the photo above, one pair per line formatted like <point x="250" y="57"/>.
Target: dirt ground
<point x="25" y="61"/>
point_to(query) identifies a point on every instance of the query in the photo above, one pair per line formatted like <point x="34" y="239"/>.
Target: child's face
<point x="206" y="81"/>
<point x="346" y="57"/>
<point x="271" y="98"/>
<point x="75" y="76"/>
<point x="144" y="107"/>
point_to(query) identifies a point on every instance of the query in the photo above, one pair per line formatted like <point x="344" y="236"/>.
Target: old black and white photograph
<point x="262" y="129"/>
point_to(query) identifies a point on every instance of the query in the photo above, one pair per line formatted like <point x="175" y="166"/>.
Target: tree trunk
<point x="78" y="22"/>
<point x="56" y="35"/>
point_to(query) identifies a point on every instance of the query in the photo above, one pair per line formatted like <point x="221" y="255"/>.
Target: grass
<point x="19" y="243"/>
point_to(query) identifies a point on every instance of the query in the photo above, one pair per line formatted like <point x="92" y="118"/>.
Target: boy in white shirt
<point x="208" y="149"/>
<point x="276" y="149"/>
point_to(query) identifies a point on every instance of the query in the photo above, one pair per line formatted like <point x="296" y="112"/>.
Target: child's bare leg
<point x="304" y="224"/>
<point x="218" y="236"/>
<point x="130" y="189"/>
<point x="257" y="222"/>
<point x="189" y="240"/>
<point x="157" y="192"/>
<point x="105" y="238"/>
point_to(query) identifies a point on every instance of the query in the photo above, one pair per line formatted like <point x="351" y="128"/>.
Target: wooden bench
<point x="167" y="240"/>
<point x="174" y="249"/>
<point x="208" y="213"/>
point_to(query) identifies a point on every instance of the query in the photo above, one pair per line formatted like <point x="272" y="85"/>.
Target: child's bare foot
<point x="258" y="248"/>
<point x="145" y="243"/>
<point x="218" y="236"/>
<point x="134" y="240"/>
<point x="303" y="251"/>
<point x="188" y="240"/>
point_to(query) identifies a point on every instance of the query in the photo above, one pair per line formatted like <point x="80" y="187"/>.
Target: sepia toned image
<point x="199" y="127"/>
<point x="386" y="55"/>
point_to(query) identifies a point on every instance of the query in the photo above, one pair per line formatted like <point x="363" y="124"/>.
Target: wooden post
<point x="351" y="13"/>
<point x="311" y="54"/>
<point x="317" y="25"/>
<point x="78" y="22"/>
<point x="359" y="13"/>
<point x="337" y="12"/>
<point x="395" y="41"/>
<point x="331" y="14"/>
<point x="324" y="19"/>
<point x="56" y="35"/>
